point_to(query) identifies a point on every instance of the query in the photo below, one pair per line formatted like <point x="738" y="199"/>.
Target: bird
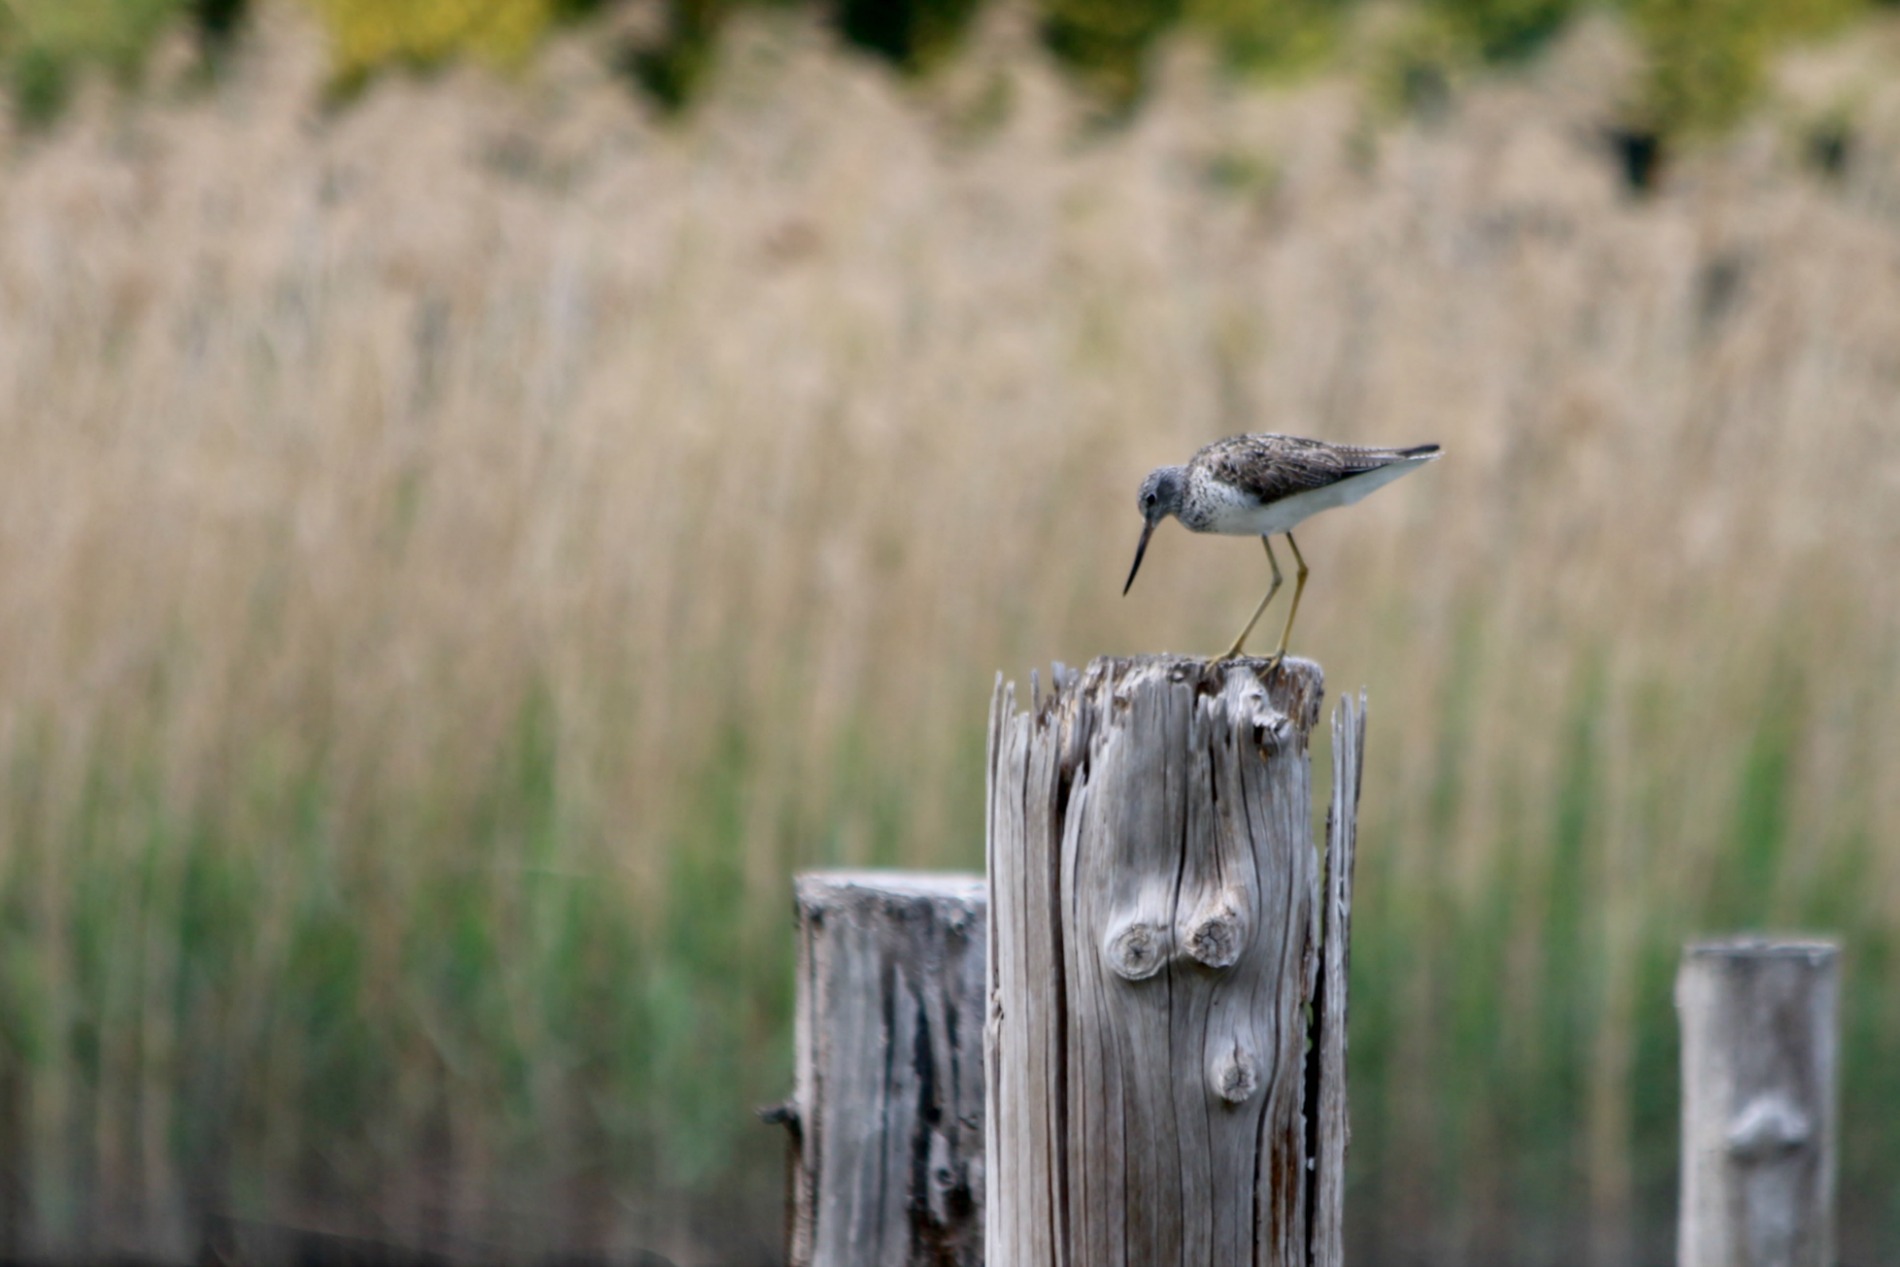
<point x="1264" y="484"/>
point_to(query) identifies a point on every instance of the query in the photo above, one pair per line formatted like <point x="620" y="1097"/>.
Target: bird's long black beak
<point x="1147" y="531"/>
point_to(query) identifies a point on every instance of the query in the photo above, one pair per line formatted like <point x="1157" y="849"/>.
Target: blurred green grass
<point x="202" y="1020"/>
<point x="461" y="552"/>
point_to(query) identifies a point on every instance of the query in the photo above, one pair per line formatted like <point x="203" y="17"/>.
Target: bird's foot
<point x="1274" y="661"/>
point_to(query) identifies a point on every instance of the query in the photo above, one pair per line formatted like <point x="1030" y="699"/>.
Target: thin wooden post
<point x="887" y="1106"/>
<point x="1330" y="1130"/>
<point x="1155" y="924"/>
<point x="1759" y="1036"/>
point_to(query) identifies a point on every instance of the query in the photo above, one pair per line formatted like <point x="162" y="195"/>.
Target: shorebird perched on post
<point x="1266" y="484"/>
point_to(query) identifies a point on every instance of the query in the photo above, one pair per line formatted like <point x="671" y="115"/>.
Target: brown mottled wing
<point x="1273" y="466"/>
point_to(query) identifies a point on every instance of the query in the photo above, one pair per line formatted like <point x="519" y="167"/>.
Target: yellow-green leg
<point x="1271" y="591"/>
<point x="1299" y="587"/>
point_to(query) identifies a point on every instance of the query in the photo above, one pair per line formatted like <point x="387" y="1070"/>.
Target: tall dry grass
<point x="459" y="552"/>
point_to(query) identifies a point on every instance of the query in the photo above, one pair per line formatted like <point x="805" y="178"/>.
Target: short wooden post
<point x="1155" y="923"/>
<point x="1758" y="1103"/>
<point x="887" y="1106"/>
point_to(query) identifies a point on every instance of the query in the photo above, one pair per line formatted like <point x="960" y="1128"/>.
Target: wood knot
<point x="1271" y="728"/>
<point x="1214" y="937"/>
<point x="1235" y="1075"/>
<point x="1768" y="1126"/>
<point x="948" y="1196"/>
<point x="1135" y="950"/>
<point x="784" y="1114"/>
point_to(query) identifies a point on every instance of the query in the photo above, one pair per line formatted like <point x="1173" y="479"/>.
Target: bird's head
<point x="1160" y="497"/>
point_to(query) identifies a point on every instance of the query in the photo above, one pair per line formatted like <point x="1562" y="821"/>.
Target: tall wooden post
<point x="1759" y="1034"/>
<point x="1155" y="929"/>
<point x="1328" y="1129"/>
<point x="887" y="1109"/>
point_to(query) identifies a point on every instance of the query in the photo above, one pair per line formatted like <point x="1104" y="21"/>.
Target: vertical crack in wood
<point x="1058" y="952"/>
<point x="1261" y="1181"/>
<point x="929" y="1114"/>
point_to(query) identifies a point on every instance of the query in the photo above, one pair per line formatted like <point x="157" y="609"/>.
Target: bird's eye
<point x="1148" y="499"/>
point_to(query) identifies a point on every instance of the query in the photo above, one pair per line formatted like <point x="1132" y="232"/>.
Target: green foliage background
<point x="1706" y="58"/>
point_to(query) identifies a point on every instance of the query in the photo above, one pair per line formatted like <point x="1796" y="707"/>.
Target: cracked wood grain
<point x="1156" y="921"/>
<point x="886" y="1114"/>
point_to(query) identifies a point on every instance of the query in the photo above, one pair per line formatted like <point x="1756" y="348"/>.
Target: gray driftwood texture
<point x="1759" y="1036"/>
<point x="1326" y="1101"/>
<point x="887" y="1107"/>
<point x="1155" y="943"/>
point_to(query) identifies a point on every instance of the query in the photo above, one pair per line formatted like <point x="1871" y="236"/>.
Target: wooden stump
<point x="1759" y="1034"/>
<point x="887" y="1107"/>
<point x="1154" y="948"/>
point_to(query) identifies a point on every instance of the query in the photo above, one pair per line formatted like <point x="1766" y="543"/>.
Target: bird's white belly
<point x="1239" y="515"/>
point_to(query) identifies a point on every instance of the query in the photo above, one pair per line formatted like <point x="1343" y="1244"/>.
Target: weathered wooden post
<point x="1758" y="1103"/>
<point x="1156" y="1092"/>
<point x="887" y="1105"/>
<point x="1329" y="1128"/>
